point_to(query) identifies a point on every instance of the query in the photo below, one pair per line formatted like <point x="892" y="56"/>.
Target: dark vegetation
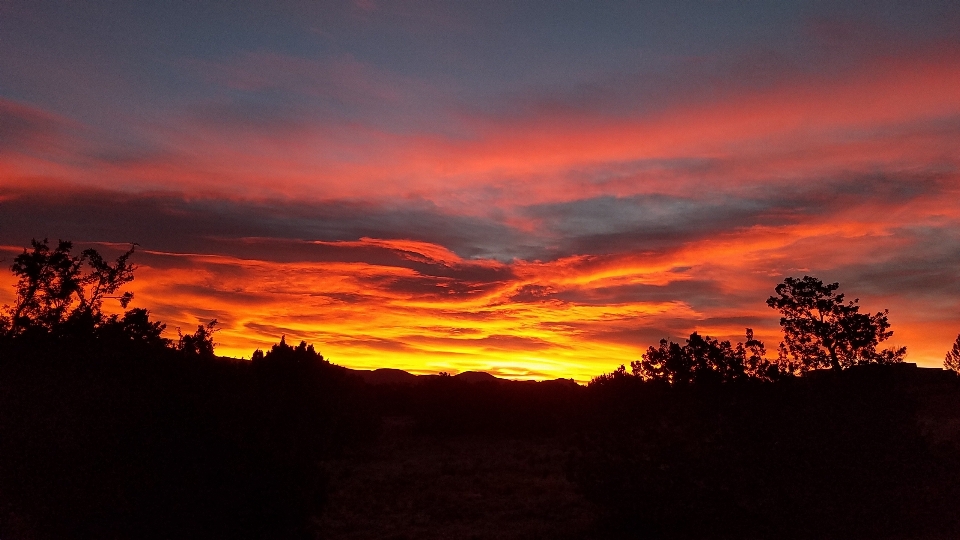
<point x="109" y="430"/>
<point x="838" y="455"/>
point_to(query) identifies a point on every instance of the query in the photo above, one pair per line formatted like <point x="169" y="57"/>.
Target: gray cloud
<point x="657" y="222"/>
<point x="270" y="230"/>
<point x="25" y="129"/>
<point x="925" y="267"/>
<point x="695" y="292"/>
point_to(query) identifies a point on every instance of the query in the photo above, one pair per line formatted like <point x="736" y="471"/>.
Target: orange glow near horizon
<point x="356" y="317"/>
<point x="256" y="302"/>
<point x="809" y="174"/>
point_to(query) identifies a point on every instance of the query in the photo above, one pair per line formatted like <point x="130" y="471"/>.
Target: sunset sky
<point x="534" y="189"/>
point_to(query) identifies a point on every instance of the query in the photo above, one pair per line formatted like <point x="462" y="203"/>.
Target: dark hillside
<point x="134" y="442"/>
<point x="385" y="376"/>
<point x="99" y="443"/>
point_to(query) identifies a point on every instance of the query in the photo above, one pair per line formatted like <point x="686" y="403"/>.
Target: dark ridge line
<point x="383" y="376"/>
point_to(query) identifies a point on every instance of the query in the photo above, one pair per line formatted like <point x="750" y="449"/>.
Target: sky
<point x="534" y="189"/>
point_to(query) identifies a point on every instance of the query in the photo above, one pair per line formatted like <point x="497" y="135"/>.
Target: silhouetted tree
<point x="55" y="288"/>
<point x="756" y="363"/>
<point x="200" y="343"/>
<point x="952" y="360"/>
<point x="664" y="363"/>
<point x="134" y="326"/>
<point x="704" y="360"/>
<point x="282" y="353"/>
<point x="836" y="456"/>
<point x="618" y="376"/>
<point x="60" y="295"/>
<point x="822" y="331"/>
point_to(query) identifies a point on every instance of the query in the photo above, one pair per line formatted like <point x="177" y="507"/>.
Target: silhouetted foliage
<point x="56" y="289"/>
<point x="821" y="331"/>
<point x="135" y="325"/>
<point x="281" y="353"/>
<point x="60" y="299"/>
<point x="200" y="343"/>
<point x="702" y="360"/>
<point x="705" y="360"/>
<point x="952" y="359"/>
<point x="105" y="442"/>
<point x="669" y="453"/>
<point x="619" y="376"/>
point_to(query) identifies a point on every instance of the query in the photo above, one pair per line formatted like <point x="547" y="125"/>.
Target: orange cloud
<point x="572" y="317"/>
<point x="886" y="113"/>
<point x="584" y="292"/>
<point x="353" y="312"/>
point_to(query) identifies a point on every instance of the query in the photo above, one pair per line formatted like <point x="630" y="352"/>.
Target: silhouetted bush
<point x="951" y="360"/>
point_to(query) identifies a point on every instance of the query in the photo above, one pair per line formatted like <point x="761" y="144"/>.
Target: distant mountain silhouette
<point x="476" y="376"/>
<point x="399" y="376"/>
<point x="385" y="376"/>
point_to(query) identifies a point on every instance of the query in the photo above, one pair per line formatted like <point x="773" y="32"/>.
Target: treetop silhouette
<point x="705" y="360"/>
<point x="56" y="290"/>
<point x="200" y="343"/>
<point x="282" y="353"/>
<point x="822" y="331"/>
<point x="952" y="359"/>
<point x="60" y="296"/>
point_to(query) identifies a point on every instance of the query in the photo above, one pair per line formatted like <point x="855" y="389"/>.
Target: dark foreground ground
<point x="869" y="454"/>
<point x="136" y="443"/>
<point x="411" y="485"/>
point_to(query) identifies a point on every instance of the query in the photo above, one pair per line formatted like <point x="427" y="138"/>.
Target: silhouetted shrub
<point x="951" y="360"/>
<point x="199" y="344"/>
